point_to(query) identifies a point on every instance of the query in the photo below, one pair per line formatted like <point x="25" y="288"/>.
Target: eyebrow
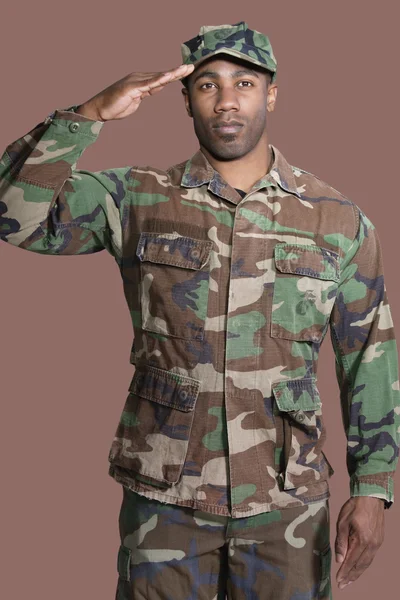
<point x="215" y="75"/>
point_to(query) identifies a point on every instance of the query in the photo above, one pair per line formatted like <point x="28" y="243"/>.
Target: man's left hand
<point x="360" y="532"/>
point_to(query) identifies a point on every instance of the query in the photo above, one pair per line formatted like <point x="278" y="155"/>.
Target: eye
<point x="205" y="84"/>
<point x="249" y="82"/>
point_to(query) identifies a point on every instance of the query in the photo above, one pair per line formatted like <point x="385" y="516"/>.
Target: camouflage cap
<point x="237" y="40"/>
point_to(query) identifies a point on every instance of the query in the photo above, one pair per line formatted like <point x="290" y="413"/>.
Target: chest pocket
<point x="174" y="284"/>
<point x="305" y="289"/>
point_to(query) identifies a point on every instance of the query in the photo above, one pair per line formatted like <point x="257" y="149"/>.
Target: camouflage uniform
<point x="174" y="552"/>
<point x="230" y="299"/>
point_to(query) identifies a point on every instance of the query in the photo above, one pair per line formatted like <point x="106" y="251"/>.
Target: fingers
<point x="358" y="558"/>
<point x="360" y="530"/>
<point x="181" y="71"/>
<point x="170" y="76"/>
<point x="342" y="538"/>
<point x="354" y="551"/>
<point x="156" y="81"/>
<point x="128" y="92"/>
<point x="155" y="90"/>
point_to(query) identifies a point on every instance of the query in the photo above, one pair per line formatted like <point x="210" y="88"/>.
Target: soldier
<point x="234" y="266"/>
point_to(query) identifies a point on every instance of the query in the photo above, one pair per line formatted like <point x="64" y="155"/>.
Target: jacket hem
<point x="224" y="510"/>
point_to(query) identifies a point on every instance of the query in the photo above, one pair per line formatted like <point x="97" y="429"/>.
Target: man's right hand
<point x="123" y="97"/>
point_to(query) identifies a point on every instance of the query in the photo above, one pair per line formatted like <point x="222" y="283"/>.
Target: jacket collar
<point x="199" y="171"/>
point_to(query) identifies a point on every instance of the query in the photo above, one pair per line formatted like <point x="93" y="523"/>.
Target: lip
<point x="228" y="127"/>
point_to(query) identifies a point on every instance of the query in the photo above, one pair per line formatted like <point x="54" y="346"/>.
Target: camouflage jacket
<point x="231" y="299"/>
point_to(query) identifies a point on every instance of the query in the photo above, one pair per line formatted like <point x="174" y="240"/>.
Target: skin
<point x="241" y="158"/>
<point x="228" y="89"/>
<point x="123" y="98"/>
<point x="360" y="532"/>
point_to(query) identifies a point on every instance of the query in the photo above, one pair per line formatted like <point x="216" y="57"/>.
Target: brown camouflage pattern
<point x="173" y="552"/>
<point x="230" y="300"/>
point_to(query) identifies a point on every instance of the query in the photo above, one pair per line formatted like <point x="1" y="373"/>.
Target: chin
<point x="227" y="153"/>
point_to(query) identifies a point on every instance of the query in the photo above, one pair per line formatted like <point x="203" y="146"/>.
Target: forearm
<point x="34" y="172"/>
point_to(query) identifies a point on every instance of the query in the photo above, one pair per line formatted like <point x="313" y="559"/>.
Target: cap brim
<point x="235" y="53"/>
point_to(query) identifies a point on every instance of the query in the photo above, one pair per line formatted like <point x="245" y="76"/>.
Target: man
<point x="234" y="265"/>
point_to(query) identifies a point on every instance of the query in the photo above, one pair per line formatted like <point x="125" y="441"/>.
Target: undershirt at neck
<point x="241" y="192"/>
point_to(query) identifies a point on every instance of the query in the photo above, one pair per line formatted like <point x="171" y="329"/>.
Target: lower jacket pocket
<point x="153" y="433"/>
<point x="300" y="435"/>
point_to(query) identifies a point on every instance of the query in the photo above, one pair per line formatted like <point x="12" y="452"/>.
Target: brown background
<point x="65" y="328"/>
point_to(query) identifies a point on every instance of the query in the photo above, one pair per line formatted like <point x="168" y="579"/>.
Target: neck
<point x="243" y="172"/>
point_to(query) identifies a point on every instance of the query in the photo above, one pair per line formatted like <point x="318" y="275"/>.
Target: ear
<point x="271" y="96"/>
<point x="185" y="94"/>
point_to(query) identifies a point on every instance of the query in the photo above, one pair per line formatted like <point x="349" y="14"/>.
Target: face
<point x="228" y="101"/>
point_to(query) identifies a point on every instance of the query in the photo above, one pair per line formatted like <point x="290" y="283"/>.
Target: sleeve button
<point x="74" y="127"/>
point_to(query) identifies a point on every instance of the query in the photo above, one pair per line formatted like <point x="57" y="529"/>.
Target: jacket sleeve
<point x="49" y="206"/>
<point x="366" y="362"/>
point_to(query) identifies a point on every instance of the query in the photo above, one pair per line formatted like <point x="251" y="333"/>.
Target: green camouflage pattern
<point x="237" y="40"/>
<point x="230" y="300"/>
<point x="195" y="555"/>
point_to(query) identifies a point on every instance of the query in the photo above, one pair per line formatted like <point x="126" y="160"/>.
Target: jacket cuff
<point x="75" y="121"/>
<point x="377" y="486"/>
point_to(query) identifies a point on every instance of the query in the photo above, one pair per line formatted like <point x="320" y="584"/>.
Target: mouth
<point x="228" y="127"/>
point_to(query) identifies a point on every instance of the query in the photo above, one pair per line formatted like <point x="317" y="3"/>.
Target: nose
<point x="226" y="100"/>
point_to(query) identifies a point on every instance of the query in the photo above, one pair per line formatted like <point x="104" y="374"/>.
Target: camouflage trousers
<point x="171" y="552"/>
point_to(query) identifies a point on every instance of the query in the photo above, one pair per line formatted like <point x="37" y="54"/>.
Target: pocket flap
<point x="165" y="387"/>
<point x="296" y="394"/>
<point x="311" y="261"/>
<point x="167" y="248"/>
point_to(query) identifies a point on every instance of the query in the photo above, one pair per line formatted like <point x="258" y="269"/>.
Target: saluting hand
<point x="123" y="97"/>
